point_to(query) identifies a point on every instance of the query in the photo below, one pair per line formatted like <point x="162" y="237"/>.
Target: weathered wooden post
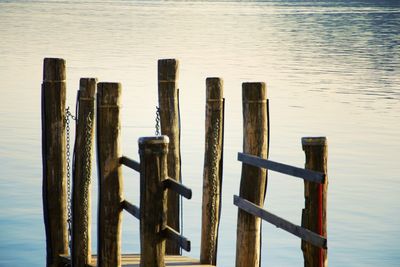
<point x="314" y="213"/>
<point x="212" y="175"/>
<point x="253" y="180"/>
<point x="169" y="118"/>
<point x="82" y="170"/>
<point x="53" y="157"/>
<point x="110" y="174"/>
<point x="153" y="206"/>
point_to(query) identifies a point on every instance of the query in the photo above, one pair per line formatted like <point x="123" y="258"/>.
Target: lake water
<point x="332" y="68"/>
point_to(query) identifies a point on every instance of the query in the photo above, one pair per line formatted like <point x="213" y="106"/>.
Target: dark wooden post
<point x="212" y="175"/>
<point x="169" y="117"/>
<point x="53" y="156"/>
<point x="153" y="206"/>
<point x="110" y="174"/>
<point x="314" y="213"/>
<point x="81" y="214"/>
<point x="253" y="181"/>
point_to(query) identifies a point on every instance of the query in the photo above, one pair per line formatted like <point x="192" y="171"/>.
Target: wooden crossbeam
<point x="131" y="209"/>
<point x="178" y="188"/>
<point x="170" y="233"/>
<point x="134" y="165"/>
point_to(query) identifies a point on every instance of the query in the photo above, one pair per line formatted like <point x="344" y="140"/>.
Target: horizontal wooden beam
<point x="296" y="230"/>
<point x="170" y="233"/>
<point x="308" y="175"/>
<point x="65" y="260"/>
<point x="178" y="188"/>
<point x="131" y="209"/>
<point x="134" y="165"/>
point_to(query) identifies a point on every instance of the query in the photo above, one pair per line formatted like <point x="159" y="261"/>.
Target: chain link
<point x="214" y="190"/>
<point x="157" y="121"/>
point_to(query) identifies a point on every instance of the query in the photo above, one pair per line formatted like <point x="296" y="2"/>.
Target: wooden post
<point x="253" y="181"/>
<point x="153" y="206"/>
<point x="212" y="175"/>
<point x="53" y="159"/>
<point x="82" y="170"/>
<point x="110" y="174"/>
<point x="169" y="117"/>
<point x="314" y="213"/>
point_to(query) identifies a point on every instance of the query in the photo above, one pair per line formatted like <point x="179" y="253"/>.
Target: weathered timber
<point x="169" y="120"/>
<point x="308" y="175"/>
<point x="253" y="179"/>
<point x="110" y="174"/>
<point x="170" y="233"/>
<point x="54" y="159"/>
<point x="212" y="172"/>
<point x="279" y="222"/>
<point x="134" y="165"/>
<point x="82" y="170"/>
<point x="153" y="164"/>
<point x="314" y="213"/>
<point x="132" y="209"/>
<point x="177" y="187"/>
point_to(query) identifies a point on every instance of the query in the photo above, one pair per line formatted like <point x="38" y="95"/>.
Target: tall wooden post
<point x="110" y="174"/>
<point x="153" y="206"/>
<point x="253" y="181"/>
<point x="169" y="117"/>
<point x="81" y="214"/>
<point x="212" y="175"/>
<point x="53" y="157"/>
<point x="314" y="213"/>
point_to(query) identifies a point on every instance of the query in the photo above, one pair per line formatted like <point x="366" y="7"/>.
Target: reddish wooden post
<point x="53" y="156"/>
<point x="314" y="213"/>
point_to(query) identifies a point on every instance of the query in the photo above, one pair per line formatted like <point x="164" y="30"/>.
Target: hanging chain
<point x="214" y="190"/>
<point x="68" y="117"/>
<point x="87" y="177"/>
<point x="157" y="121"/>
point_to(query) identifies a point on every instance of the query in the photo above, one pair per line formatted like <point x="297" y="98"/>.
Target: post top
<point x="54" y="70"/>
<point x="254" y="91"/>
<point x="162" y="139"/>
<point x="314" y="141"/>
<point x="214" y="88"/>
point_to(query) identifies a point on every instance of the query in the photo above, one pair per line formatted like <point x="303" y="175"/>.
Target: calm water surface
<point x="332" y="68"/>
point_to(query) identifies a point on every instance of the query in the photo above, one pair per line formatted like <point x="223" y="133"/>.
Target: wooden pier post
<point x="212" y="175"/>
<point x="169" y="118"/>
<point x="314" y="213"/>
<point x="153" y="206"/>
<point x="110" y="174"/>
<point x="82" y="170"/>
<point x="253" y="180"/>
<point x="53" y="159"/>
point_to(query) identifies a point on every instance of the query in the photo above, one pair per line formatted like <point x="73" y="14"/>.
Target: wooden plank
<point x="82" y="172"/>
<point x="134" y="165"/>
<point x="212" y="170"/>
<point x="169" y="119"/>
<point x="54" y="159"/>
<point x="314" y="212"/>
<point x="131" y="209"/>
<point x="110" y="174"/>
<point x="177" y="187"/>
<point x="253" y="181"/>
<point x="296" y="230"/>
<point x="170" y="233"/>
<point x="308" y="175"/>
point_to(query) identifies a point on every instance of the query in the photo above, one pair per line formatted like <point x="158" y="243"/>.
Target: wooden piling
<point x="212" y="174"/>
<point x="53" y="159"/>
<point x="110" y="174"/>
<point x="82" y="170"/>
<point x="253" y="180"/>
<point x="153" y="206"/>
<point x="169" y="119"/>
<point x="314" y="213"/>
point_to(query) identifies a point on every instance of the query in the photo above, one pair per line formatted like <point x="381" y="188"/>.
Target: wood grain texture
<point x="110" y="174"/>
<point x="212" y="171"/>
<point x="54" y="159"/>
<point x="81" y="213"/>
<point x="169" y="120"/>
<point x="314" y="213"/>
<point x="153" y="205"/>
<point x="253" y="179"/>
